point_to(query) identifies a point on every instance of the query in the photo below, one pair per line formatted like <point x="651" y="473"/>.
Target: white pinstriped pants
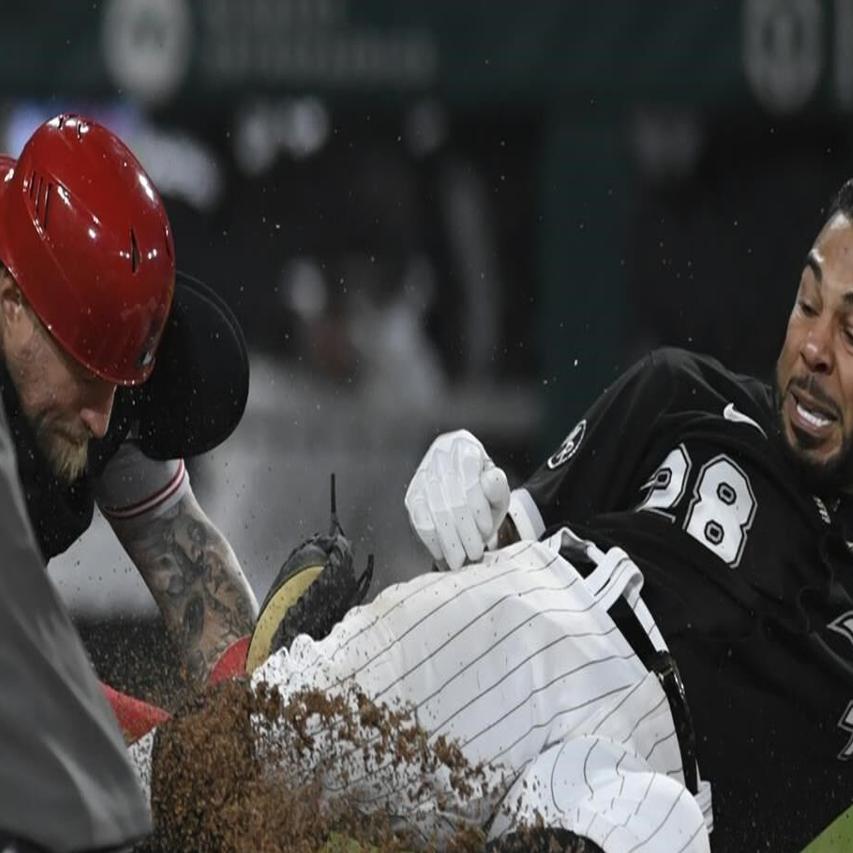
<point x="518" y="660"/>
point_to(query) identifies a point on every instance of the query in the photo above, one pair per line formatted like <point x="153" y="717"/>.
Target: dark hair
<point x="843" y="201"/>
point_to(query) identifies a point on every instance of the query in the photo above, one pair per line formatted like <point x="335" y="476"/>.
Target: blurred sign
<point x="147" y="46"/>
<point x="783" y="54"/>
<point x="318" y="42"/>
<point x="783" y="51"/>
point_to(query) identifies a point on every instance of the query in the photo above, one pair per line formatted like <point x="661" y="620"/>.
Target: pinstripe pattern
<point x="517" y="660"/>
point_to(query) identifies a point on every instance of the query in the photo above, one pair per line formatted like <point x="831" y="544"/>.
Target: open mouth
<point x="810" y="415"/>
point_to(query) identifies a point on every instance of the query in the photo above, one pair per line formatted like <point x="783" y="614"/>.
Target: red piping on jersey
<point x="151" y="502"/>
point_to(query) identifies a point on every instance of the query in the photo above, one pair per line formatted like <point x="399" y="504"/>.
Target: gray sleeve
<point x="65" y="779"/>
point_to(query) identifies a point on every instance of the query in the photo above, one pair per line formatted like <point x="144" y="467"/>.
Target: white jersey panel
<point x="132" y="485"/>
<point x="511" y="657"/>
<point x="604" y="790"/>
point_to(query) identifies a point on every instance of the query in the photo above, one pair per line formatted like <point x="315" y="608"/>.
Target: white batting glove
<point x="457" y="499"/>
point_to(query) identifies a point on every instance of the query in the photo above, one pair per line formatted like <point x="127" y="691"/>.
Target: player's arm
<point x="195" y="579"/>
<point x="459" y="502"/>
<point x="597" y="465"/>
<point x="186" y="562"/>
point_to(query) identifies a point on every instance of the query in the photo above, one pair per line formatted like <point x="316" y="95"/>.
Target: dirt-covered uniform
<point x="748" y="574"/>
<point x="517" y="660"/>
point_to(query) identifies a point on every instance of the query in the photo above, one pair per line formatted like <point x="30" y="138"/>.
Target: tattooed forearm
<point x="196" y="580"/>
<point x="193" y="623"/>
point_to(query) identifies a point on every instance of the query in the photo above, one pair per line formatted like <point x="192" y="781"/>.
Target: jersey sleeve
<point x="593" y="467"/>
<point x="132" y="485"/>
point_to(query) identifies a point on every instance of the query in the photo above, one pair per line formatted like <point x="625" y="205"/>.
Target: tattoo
<point x="196" y="581"/>
<point x="193" y="621"/>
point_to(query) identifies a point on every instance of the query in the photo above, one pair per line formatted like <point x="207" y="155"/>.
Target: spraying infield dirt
<point x="223" y="776"/>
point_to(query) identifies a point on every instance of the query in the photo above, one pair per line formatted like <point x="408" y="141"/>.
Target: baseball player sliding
<point x="689" y="503"/>
<point x="517" y="659"/>
<point x="733" y="497"/>
<point x="726" y="501"/>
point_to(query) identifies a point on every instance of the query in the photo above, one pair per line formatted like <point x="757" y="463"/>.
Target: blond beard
<point x="66" y="449"/>
<point x="67" y="456"/>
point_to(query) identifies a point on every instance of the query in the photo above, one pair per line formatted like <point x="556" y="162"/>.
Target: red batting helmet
<point x="86" y="237"/>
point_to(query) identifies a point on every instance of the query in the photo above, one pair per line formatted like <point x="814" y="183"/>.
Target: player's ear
<point x="12" y="302"/>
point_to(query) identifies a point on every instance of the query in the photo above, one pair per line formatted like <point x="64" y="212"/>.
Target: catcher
<point x="517" y="660"/>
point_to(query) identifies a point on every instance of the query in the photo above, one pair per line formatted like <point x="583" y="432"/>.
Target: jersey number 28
<point x="721" y="506"/>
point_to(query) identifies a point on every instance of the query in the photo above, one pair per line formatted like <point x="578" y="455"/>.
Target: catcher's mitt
<point x="314" y="588"/>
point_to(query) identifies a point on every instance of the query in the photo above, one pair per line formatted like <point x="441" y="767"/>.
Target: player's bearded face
<point x="66" y="449"/>
<point x="814" y="373"/>
<point x="61" y="401"/>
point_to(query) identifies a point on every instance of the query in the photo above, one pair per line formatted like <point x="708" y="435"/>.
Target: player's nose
<point x="816" y="350"/>
<point x="98" y="408"/>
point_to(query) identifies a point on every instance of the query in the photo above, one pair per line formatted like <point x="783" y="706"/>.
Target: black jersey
<point x="748" y="575"/>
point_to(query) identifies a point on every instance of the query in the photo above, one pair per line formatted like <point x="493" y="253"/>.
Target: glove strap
<point x="363" y="583"/>
<point x="525" y="515"/>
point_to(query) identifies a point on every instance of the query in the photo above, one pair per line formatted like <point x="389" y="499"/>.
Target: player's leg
<point x="604" y="789"/>
<point x="505" y="657"/>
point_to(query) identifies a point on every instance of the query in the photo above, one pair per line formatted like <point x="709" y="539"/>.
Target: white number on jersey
<point x="721" y="509"/>
<point x="666" y="486"/>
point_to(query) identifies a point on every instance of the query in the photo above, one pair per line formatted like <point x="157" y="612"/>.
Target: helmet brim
<point x="197" y="393"/>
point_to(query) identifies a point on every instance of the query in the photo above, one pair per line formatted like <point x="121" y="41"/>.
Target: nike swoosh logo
<point x="730" y="413"/>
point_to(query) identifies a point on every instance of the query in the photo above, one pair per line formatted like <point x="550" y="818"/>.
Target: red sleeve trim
<point x="152" y="501"/>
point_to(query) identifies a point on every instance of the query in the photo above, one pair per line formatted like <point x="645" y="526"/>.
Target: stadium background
<point x="440" y="213"/>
